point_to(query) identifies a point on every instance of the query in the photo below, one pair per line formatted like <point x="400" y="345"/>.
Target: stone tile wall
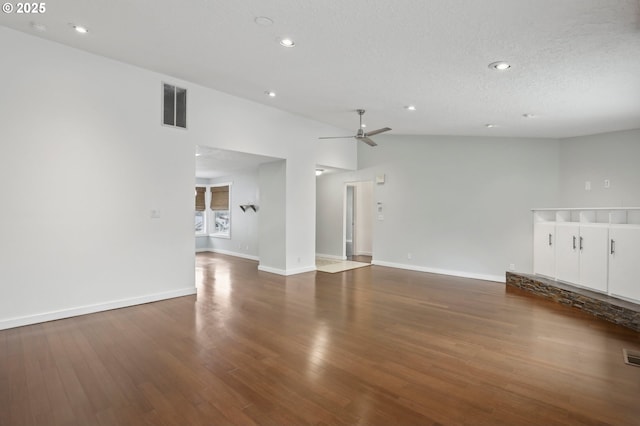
<point x="602" y="306"/>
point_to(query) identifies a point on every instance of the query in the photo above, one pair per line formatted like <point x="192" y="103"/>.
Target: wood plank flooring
<point x="371" y="346"/>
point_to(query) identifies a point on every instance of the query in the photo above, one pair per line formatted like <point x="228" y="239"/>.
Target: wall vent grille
<point x="631" y="357"/>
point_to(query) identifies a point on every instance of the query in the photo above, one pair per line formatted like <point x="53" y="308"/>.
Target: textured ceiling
<point x="213" y="163"/>
<point x="575" y="63"/>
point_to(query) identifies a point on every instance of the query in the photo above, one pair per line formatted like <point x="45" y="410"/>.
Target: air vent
<point x="174" y="106"/>
<point x="631" y="357"/>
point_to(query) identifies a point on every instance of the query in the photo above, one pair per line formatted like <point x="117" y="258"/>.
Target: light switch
<point x="155" y="214"/>
<point x="380" y="217"/>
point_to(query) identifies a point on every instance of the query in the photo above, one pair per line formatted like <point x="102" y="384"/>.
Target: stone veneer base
<point x="600" y="305"/>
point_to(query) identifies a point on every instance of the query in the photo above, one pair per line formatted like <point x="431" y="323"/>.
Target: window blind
<point x="220" y="197"/>
<point x="200" y="203"/>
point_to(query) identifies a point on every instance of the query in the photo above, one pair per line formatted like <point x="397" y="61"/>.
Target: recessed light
<point x="528" y="115"/>
<point x="489" y="126"/>
<point x="38" y="27"/>
<point x="499" y="66"/>
<point x="319" y="172"/>
<point x="264" y="21"/>
<point x="410" y="107"/>
<point x="270" y="94"/>
<point x="287" y="42"/>
<point x="79" y="28"/>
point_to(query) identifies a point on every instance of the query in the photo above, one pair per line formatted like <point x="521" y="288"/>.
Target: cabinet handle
<point x="581" y="243"/>
<point x="613" y="246"/>
<point x="574" y="242"/>
<point x="549" y="239"/>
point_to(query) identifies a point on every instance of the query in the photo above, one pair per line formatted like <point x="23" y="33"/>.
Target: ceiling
<point x="213" y="162"/>
<point x="575" y="64"/>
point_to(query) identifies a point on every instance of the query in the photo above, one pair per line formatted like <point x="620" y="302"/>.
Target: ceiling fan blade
<point x="368" y="141"/>
<point x="375" y="132"/>
<point x="336" y="137"/>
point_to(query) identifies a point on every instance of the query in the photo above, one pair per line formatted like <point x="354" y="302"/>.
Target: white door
<point x="567" y="252"/>
<point x="593" y="245"/>
<point x="544" y="257"/>
<point x="624" y="261"/>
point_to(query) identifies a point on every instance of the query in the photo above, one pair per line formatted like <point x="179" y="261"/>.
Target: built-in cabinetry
<point x="595" y="248"/>
<point x="624" y="261"/>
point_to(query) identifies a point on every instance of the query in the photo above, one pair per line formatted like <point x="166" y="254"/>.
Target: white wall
<point x="244" y="225"/>
<point x="75" y="123"/>
<point x="272" y="219"/>
<point x="83" y="161"/>
<point x="458" y="205"/>
<point x="364" y="214"/>
<point x="612" y="156"/>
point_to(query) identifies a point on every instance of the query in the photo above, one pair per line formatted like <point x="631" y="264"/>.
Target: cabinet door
<point x="544" y="257"/>
<point x="567" y="252"/>
<point x="593" y="246"/>
<point x="624" y="261"/>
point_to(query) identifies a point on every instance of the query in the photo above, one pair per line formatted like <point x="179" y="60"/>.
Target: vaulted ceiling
<point x="574" y="64"/>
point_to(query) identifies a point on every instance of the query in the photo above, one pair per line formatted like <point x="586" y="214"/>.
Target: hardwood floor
<point x="369" y="346"/>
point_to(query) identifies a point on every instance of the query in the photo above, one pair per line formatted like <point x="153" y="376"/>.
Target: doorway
<point x="358" y="221"/>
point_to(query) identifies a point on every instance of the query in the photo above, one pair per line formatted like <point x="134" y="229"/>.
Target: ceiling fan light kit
<point x="361" y="135"/>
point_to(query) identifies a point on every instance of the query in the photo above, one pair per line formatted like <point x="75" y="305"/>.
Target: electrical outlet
<point x="587" y="185"/>
<point x="512" y="266"/>
<point x="607" y="183"/>
<point x="409" y="256"/>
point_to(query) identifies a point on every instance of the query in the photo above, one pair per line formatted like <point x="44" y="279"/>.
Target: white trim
<point x="302" y="270"/>
<point x="461" y="274"/>
<point x="233" y="253"/>
<point x="90" y="309"/>
<point x="363" y="253"/>
<point x="286" y="272"/>
<point x="203" y="250"/>
<point x="547" y="209"/>
<point x="331" y="256"/>
<point x="272" y="270"/>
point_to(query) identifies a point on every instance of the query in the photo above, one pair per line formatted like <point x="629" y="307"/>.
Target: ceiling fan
<point x="361" y="135"/>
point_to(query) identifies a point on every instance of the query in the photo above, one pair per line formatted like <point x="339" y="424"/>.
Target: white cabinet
<point x="544" y="257"/>
<point x="567" y="252"/>
<point x="597" y="248"/>
<point x="624" y="261"/>
<point x="581" y="254"/>
<point x="593" y="248"/>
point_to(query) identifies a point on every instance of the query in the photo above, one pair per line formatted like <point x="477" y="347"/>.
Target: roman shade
<point x="200" y="203"/>
<point x="220" y="197"/>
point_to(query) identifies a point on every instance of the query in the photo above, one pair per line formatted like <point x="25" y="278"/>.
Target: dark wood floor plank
<point x="371" y="346"/>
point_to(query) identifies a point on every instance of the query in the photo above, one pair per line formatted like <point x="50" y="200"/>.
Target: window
<point x="174" y="106"/>
<point x="200" y="216"/>
<point x="220" y="201"/>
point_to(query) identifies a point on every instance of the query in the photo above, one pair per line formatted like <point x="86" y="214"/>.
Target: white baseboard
<point x="235" y="254"/>
<point x="228" y="253"/>
<point x="331" y="256"/>
<point x="461" y="274"/>
<point x="286" y="272"/>
<point x="90" y="309"/>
